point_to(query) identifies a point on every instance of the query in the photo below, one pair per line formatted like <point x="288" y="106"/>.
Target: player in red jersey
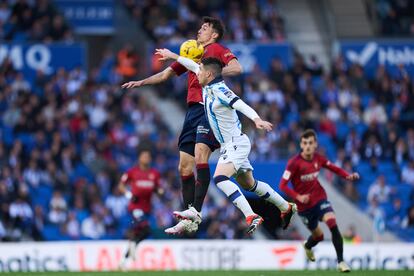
<point x="196" y="141"/>
<point x="312" y="203"/>
<point x="139" y="183"/>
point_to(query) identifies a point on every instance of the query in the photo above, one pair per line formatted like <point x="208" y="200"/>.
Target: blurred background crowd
<point x="65" y="138"/>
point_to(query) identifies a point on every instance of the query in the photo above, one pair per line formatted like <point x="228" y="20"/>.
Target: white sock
<point x="233" y="192"/>
<point x="266" y="192"/>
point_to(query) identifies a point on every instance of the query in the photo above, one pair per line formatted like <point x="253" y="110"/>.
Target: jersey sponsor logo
<point x="309" y="177"/>
<point x="202" y="130"/>
<point x="225" y="91"/>
<point x="325" y="205"/>
<point x="285" y="254"/>
<point x="286" y="175"/>
<point x="144" y="183"/>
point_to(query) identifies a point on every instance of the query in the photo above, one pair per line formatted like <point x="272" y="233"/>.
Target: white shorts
<point x="237" y="152"/>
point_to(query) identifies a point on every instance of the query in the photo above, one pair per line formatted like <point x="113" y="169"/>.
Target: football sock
<point x="233" y="192"/>
<point x="188" y="188"/>
<point x="337" y="242"/>
<point x="266" y="192"/>
<point x="311" y="242"/>
<point x="201" y="186"/>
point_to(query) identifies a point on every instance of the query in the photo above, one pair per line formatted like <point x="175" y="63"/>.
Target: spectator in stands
<point x="350" y="235"/>
<point x="407" y="174"/>
<point x="380" y="191"/>
<point x="375" y="113"/>
<point x="58" y="208"/>
<point x="38" y="223"/>
<point x="127" y="60"/>
<point x="408" y="221"/>
<point x="117" y="203"/>
<point x="397" y="213"/>
<point x="93" y="227"/>
<point x="21" y="215"/>
<point x="400" y="152"/>
<point x="72" y="226"/>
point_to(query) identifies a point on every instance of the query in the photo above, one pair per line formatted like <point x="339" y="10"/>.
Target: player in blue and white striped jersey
<point x="220" y="104"/>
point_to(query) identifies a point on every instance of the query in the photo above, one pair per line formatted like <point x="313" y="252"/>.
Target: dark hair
<point x="309" y="133"/>
<point x="212" y="64"/>
<point x="144" y="148"/>
<point x="216" y="24"/>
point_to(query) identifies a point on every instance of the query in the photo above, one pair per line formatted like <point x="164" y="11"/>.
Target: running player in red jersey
<point x="139" y="183"/>
<point x="312" y="203"/>
<point x="196" y="141"/>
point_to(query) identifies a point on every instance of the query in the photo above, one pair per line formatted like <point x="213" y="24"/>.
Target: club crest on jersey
<point x="315" y="165"/>
<point x="151" y="176"/>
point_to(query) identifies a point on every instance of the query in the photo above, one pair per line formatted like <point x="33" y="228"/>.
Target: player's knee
<point x="202" y="153"/>
<point x="331" y="223"/>
<point x="185" y="168"/>
<point x="220" y="178"/>
<point x="318" y="236"/>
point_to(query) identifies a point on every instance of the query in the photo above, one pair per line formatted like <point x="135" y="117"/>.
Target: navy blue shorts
<point x="312" y="216"/>
<point x="196" y="129"/>
<point x="139" y="222"/>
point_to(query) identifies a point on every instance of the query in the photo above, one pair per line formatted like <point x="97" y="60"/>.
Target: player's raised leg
<point x="264" y="191"/>
<point x="185" y="168"/>
<point x="221" y="179"/>
<point x="330" y="220"/>
<point x="202" y="154"/>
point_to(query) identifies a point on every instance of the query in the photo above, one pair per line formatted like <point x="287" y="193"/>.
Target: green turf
<point x="223" y="273"/>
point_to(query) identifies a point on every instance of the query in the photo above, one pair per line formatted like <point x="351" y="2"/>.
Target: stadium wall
<point x="198" y="255"/>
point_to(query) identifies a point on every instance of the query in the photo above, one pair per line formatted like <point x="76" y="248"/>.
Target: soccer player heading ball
<point x="302" y="170"/>
<point x="220" y="105"/>
<point x="196" y="141"/>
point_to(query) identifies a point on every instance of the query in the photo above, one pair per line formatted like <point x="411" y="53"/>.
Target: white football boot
<point x="183" y="226"/>
<point x="343" y="267"/>
<point x="190" y="214"/>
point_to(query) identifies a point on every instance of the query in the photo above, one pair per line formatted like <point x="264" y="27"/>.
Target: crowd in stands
<point x="24" y="20"/>
<point x="364" y="124"/>
<point x="396" y="17"/>
<point x="178" y="20"/>
<point x="66" y="138"/>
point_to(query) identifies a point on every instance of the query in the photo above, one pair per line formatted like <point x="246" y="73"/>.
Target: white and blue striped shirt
<point x="218" y="104"/>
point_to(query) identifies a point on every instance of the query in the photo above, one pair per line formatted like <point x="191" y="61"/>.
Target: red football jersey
<point x="143" y="184"/>
<point x="216" y="50"/>
<point x="304" y="177"/>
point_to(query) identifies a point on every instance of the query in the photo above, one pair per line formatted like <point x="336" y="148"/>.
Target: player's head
<point x="210" y="68"/>
<point x="144" y="158"/>
<point x="211" y="30"/>
<point x="308" y="142"/>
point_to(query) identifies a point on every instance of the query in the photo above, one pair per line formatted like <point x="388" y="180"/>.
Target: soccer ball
<point x="192" y="49"/>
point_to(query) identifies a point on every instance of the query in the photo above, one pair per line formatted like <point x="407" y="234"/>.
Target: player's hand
<point x="353" y="176"/>
<point x="303" y="198"/>
<point x="165" y="54"/>
<point x="260" y="124"/>
<point x="132" y="84"/>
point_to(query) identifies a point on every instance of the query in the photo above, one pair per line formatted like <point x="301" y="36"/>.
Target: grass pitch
<point x="221" y="273"/>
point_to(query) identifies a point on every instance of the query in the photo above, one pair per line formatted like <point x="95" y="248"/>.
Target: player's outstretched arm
<point x="353" y="176"/>
<point x="244" y="108"/>
<point x="341" y="172"/>
<point x="233" y="68"/>
<point x="186" y="62"/>
<point x="162" y="76"/>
